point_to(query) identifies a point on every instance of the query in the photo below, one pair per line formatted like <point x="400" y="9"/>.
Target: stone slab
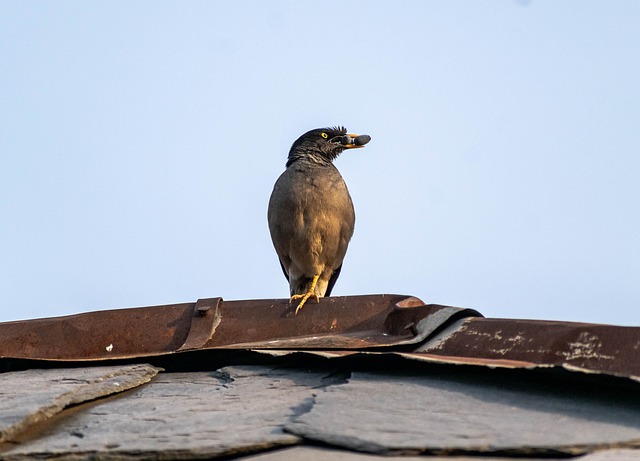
<point x="613" y="455"/>
<point x="389" y="413"/>
<point x="33" y="396"/>
<point x="185" y="416"/>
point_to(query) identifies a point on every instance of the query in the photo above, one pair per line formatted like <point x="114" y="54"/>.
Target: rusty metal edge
<point x="448" y="360"/>
<point x="429" y="358"/>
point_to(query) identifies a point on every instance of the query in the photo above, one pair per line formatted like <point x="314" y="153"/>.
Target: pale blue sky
<point x="140" y="142"/>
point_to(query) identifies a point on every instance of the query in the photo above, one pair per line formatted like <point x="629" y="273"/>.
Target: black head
<point x="323" y="145"/>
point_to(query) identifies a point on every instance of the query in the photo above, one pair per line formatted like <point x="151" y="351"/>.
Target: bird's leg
<point x="309" y="294"/>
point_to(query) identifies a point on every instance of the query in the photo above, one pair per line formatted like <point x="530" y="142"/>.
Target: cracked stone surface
<point x="185" y="415"/>
<point x="33" y="396"/>
<point x="268" y="412"/>
<point x="384" y="413"/>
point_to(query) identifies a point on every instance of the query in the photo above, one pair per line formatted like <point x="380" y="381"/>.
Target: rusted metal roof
<point x="336" y="327"/>
<point x="387" y="364"/>
<point x="352" y="322"/>
<point x="606" y="349"/>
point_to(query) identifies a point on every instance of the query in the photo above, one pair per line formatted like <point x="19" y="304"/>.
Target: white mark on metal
<point x="586" y="346"/>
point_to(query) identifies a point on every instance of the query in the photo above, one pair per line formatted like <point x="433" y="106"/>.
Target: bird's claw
<point x="311" y="293"/>
<point x="303" y="299"/>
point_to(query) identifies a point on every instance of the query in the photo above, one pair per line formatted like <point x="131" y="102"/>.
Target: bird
<point x="310" y="214"/>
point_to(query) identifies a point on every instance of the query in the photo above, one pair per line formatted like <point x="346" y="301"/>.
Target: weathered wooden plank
<point x="383" y="413"/>
<point x="33" y="396"/>
<point x="184" y="415"/>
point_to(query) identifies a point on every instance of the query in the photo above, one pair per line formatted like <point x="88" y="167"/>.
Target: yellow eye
<point x="324" y="135"/>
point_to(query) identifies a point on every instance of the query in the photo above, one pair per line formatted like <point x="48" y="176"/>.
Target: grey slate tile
<point x="32" y="396"/>
<point x="383" y="413"/>
<point x="184" y="415"/>
<point x="241" y="410"/>
<point x="617" y="454"/>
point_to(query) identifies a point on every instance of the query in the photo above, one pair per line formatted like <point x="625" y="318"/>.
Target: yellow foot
<point x="309" y="294"/>
<point x="304" y="299"/>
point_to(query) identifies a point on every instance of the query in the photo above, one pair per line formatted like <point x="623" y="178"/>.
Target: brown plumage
<point x="311" y="216"/>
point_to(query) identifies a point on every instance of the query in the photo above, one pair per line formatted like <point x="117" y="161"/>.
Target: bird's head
<point x="323" y="145"/>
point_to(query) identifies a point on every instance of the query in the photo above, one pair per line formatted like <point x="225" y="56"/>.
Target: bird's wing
<point x="279" y="216"/>
<point x="333" y="280"/>
<point x="284" y="270"/>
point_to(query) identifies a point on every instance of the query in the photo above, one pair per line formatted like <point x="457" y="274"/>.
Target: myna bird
<point x="311" y="216"/>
